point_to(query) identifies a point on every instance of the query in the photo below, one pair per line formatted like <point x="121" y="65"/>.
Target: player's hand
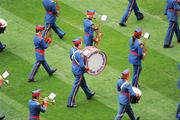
<point x="48" y="40"/>
<point x="45" y="102"/>
<point x="144" y="54"/>
<point x="137" y="95"/>
<point x="87" y="69"/>
<point x="95" y="39"/>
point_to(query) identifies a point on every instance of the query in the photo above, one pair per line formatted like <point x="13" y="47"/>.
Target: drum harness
<point x="73" y="57"/>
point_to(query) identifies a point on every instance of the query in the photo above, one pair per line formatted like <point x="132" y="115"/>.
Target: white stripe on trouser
<point x="75" y="92"/>
<point x="137" y="76"/>
<point x="130" y="10"/>
<point x="170" y="34"/>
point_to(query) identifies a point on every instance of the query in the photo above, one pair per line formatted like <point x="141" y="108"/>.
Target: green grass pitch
<point x="158" y="78"/>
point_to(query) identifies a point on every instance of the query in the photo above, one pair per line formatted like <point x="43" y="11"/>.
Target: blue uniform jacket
<point x="51" y="11"/>
<point x="40" y="46"/>
<point x="125" y="91"/>
<point x="88" y="27"/>
<point x="136" y="52"/>
<point x="35" y="108"/>
<point x="172" y="7"/>
<point x="77" y="59"/>
<point x="178" y="111"/>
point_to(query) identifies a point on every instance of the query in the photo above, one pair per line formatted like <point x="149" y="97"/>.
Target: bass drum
<point x="95" y="59"/>
<point x="134" y="99"/>
<point x="3" y="25"/>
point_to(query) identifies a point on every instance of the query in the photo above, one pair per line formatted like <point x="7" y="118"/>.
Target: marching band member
<point x="78" y="69"/>
<point x="50" y="18"/>
<point x="136" y="55"/>
<point x="89" y="28"/>
<point x="125" y="91"/>
<point x="2" y="46"/>
<point x="178" y="112"/>
<point x="40" y="45"/>
<point x="172" y="7"/>
<point x="131" y="6"/>
<point x="35" y="107"/>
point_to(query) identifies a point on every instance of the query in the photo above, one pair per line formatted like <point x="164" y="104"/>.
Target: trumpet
<point x="3" y="78"/>
<point x="99" y="34"/>
<point x="42" y="99"/>
<point x="48" y="35"/>
<point x="51" y="98"/>
<point x="146" y="36"/>
<point x="57" y="8"/>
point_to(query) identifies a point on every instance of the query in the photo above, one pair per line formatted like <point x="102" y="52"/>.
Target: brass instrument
<point x="48" y="35"/>
<point x="57" y="8"/>
<point x="41" y="99"/>
<point x="51" y="98"/>
<point x="146" y="36"/>
<point x="99" y="34"/>
<point x="3" y="78"/>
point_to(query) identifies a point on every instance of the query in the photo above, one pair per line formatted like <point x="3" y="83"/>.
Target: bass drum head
<point x="96" y="62"/>
<point x="4" y="23"/>
<point x="3" y="26"/>
<point x="134" y="99"/>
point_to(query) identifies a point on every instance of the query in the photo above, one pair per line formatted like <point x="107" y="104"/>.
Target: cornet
<point x="51" y="98"/>
<point x="41" y="99"/>
<point x="99" y="34"/>
<point x="3" y="77"/>
<point x="146" y="36"/>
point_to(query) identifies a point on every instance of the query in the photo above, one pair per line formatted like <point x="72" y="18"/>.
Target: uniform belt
<point x="49" y="12"/>
<point x="134" y="53"/>
<point x="87" y="34"/>
<point x="40" y="51"/>
<point x="171" y="9"/>
<point x="125" y="93"/>
<point x="35" y="117"/>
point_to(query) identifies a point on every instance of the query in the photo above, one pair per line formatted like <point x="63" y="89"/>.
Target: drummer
<point x="125" y="91"/>
<point x="78" y="69"/>
<point x="2" y="46"/>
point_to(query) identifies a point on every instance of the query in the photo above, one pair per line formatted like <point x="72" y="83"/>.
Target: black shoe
<point x="61" y="37"/>
<point x="4" y="46"/>
<point x="168" y="46"/>
<point x="122" y="24"/>
<point x="1" y="118"/>
<point x="138" y="118"/>
<point x="89" y="97"/>
<point x="178" y="41"/>
<point x="31" y="80"/>
<point x="52" y="71"/>
<point x="71" y="106"/>
<point x="140" y="16"/>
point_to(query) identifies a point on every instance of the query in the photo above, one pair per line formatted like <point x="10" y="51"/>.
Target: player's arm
<point x="140" y="50"/>
<point x="55" y="12"/>
<point x="42" y="108"/>
<point x="130" y="90"/>
<point x="44" y="44"/>
<point x="118" y="87"/>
